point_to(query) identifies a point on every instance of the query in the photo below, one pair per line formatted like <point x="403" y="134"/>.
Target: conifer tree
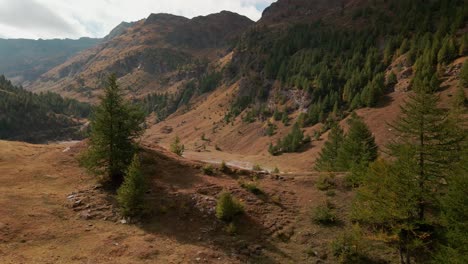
<point x="434" y="140"/>
<point x="131" y="193"/>
<point x="327" y="160"/>
<point x="455" y="216"/>
<point x="386" y="201"/>
<point x="359" y="146"/>
<point x="115" y="125"/>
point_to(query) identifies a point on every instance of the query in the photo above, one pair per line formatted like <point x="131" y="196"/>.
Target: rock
<point x="123" y="221"/>
<point x="76" y="203"/>
<point x="84" y="215"/>
<point x="166" y="130"/>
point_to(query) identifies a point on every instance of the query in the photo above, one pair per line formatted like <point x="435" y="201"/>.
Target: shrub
<point x="208" y="170"/>
<point x="256" y="167"/>
<point x="131" y="193"/>
<point x="276" y="170"/>
<point x="326" y="182"/>
<point x="350" y="247"/>
<point x="228" y="207"/>
<point x="251" y="187"/>
<point x="177" y="147"/>
<point x="231" y="229"/>
<point x="324" y="215"/>
<point x="223" y="167"/>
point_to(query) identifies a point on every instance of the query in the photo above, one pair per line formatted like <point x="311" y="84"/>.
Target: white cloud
<point x="95" y="18"/>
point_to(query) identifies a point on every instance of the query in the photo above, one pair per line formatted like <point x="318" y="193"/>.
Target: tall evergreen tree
<point x="359" y="146"/>
<point x="115" y="125"/>
<point x="435" y="143"/>
<point x="327" y="160"/>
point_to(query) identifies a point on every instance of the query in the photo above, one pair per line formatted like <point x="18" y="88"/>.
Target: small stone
<point x="123" y="221"/>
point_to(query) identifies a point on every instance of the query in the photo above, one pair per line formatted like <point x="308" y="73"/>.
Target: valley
<point x="328" y="131"/>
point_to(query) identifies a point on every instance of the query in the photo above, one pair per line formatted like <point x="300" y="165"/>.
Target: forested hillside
<point x="341" y="61"/>
<point x="37" y="118"/>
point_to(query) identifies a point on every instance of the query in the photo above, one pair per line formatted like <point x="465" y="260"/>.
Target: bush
<point x="231" y="229"/>
<point x="224" y="167"/>
<point x="251" y="187"/>
<point x="324" y="215"/>
<point x="276" y="170"/>
<point x="256" y="167"/>
<point x="131" y="193"/>
<point x="228" y="207"/>
<point x="208" y="170"/>
<point x="177" y="147"/>
<point x="326" y="182"/>
<point x="350" y="247"/>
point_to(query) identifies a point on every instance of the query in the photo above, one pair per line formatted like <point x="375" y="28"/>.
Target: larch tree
<point x="115" y="126"/>
<point x="327" y="160"/>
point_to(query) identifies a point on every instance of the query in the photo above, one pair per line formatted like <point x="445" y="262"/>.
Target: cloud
<point x="29" y="15"/>
<point x="95" y="18"/>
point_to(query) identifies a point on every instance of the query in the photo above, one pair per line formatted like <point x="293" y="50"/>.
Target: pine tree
<point x="115" y="125"/>
<point x="359" y="146"/>
<point x="435" y="143"/>
<point x="327" y="160"/>
<point x="131" y="193"/>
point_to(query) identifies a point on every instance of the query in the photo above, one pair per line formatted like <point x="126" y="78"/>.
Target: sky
<point x="46" y="19"/>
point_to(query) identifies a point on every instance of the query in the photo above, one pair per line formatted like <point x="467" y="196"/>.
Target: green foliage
<point x="276" y="170"/>
<point x="252" y="187"/>
<point x="326" y="182"/>
<point x="344" y="66"/>
<point x="392" y="79"/>
<point x="40" y="117"/>
<point x="293" y="142"/>
<point x="358" y="146"/>
<point x="115" y="125"/>
<point x="223" y="167"/>
<point x="208" y="169"/>
<point x="433" y="139"/>
<point x="131" y="194"/>
<point x="328" y="157"/>
<point x="401" y="198"/>
<point x="257" y="167"/>
<point x="324" y="215"/>
<point x="350" y="247"/>
<point x="227" y="207"/>
<point x="271" y="129"/>
<point x="177" y="147"/>
<point x="464" y="75"/>
<point x="454" y="215"/>
<point x="231" y="229"/>
<point x="209" y="82"/>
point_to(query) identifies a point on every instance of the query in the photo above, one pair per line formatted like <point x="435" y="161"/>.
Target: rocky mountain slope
<point x="223" y="82"/>
<point x="150" y="55"/>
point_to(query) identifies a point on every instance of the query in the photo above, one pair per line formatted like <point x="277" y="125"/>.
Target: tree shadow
<point x="180" y="216"/>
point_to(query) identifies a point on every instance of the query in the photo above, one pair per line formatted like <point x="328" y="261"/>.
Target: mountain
<point x="149" y="55"/>
<point x="25" y="60"/>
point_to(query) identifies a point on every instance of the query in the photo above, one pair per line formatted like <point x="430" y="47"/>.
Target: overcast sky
<point x="95" y="18"/>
